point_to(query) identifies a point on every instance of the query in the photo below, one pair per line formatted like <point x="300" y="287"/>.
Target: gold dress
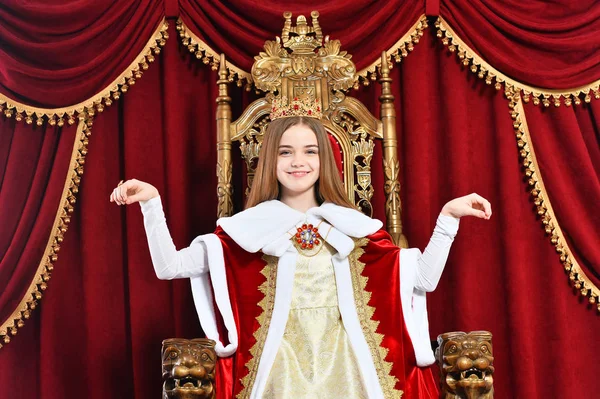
<point x="315" y="359"/>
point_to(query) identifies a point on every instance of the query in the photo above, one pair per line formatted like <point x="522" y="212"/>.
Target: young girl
<point x="314" y="298"/>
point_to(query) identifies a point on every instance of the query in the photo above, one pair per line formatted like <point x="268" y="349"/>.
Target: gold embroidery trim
<point x="369" y="326"/>
<point x="204" y="52"/>
<point x="96" y="103"/>
<point x="577" y="276"/>
<point x="264" y="320"/>
<point x="397" y="52"/>
<point x="485" y="71"/>
<point x="39" y="282"/>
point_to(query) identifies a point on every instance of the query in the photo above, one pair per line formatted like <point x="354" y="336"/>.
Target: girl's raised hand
<point x="469" y="205"/>
<point x="133" y="191"/>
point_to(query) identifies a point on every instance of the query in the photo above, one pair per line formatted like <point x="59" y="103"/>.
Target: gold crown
<point x="298" y="107"/>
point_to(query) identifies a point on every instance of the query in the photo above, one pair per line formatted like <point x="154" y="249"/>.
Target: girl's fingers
<point x="487" y="207"/>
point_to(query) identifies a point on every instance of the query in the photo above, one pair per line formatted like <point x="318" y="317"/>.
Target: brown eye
<point x="205" y="356"/>
<point x="453" y="349"/>
<point x="173" y="355"/>
<point x="484" y="349"/>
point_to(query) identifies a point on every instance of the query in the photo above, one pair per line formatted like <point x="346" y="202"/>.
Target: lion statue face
<point x="188" y="368"/>
<point x="467" y="365"/>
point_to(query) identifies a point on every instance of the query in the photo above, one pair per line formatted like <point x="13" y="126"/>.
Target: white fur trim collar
<point x="269" y="225"/>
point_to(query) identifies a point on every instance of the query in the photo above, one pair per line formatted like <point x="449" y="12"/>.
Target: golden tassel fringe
<point x="485" y="71"/>
<point x="203" y="52"/>
<point x="577" y="276"/>
<point x="61" y="222"/>
<point x="396" y="53"/>
<point x="95" y="104"/>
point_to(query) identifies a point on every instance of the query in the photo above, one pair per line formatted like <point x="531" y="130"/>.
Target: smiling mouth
<point x="298" y="174"/>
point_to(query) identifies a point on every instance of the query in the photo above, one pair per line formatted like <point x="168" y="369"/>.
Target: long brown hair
<point x="265" y="187"/>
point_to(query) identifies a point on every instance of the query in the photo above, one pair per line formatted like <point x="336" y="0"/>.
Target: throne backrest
<point x="301" y="64"/>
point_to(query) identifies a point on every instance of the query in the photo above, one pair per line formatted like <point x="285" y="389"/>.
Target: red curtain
<point x="99" y="328"/>
<point x="33" y="167"/>
<point x="567" y="147"/>
<point x="56" y="54"/>
<point x="554" y="46"/>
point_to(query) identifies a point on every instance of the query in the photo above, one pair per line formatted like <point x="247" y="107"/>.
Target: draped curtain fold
<point x="567" y="146"/>
<point x="33" y="166"/>
<point x="554" y="46"/>
<point x="456" y="135"/>
<point x="56" y="54"/>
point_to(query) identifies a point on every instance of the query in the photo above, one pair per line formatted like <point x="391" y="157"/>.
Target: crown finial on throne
<point x="301" y="38"/>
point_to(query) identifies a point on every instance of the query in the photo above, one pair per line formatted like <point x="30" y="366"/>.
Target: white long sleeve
<point x="169" y="263"/>
<point x="431" y="263"/>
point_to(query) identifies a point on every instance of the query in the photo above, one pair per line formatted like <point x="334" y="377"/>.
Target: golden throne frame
<point x="301" y="64"/>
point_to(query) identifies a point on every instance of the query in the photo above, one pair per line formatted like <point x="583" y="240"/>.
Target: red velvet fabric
<point x="56" y="54"/>
<point x="243" y="278"/>
<point x="34" y="162"/>
<point x="546" y="45"/>
<point x="101" y="322"/>
<point x="381" y="258"/>
<point x="567" y="148"/>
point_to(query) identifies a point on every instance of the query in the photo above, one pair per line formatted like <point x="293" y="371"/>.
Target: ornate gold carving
<point x="485" y="71"/>
<point x="303" y="63"/>
<point x="391" y="165"/>
<point x="362" y="152"/>
<point x="369" y="326"/>
<point x="188" y="368"/>
<point x="466" y="363"/>
<point x="96" y="103"/>
<point x="577" y="276"/>
<point x="396" y="53"/>
<point x="250" y="146"/>
<point x="39" y="283"/>
<point x="224" y="167"/>
<point x="264" y="319"/>
<point x="208" y="56"/>
<point x="224" y="189"/>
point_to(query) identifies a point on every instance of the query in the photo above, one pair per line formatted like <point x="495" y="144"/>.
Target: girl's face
<point x="298" y="161"/>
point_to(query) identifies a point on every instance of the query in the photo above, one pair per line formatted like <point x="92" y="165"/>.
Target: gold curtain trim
<point x="490" y="74"/>
<point x="264" y="320"/>
<point x="204" y="52"/>
<point x="397" y="52"/>
<point x="96" y="103"/>
<point x="369" y="326"/>
<point x="577" y="276"/>
<point x="39" y="282"/>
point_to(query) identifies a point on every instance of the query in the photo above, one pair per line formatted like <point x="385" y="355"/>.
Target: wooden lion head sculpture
<point x="466" y="362"/>
<point x="188" y="368"/>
